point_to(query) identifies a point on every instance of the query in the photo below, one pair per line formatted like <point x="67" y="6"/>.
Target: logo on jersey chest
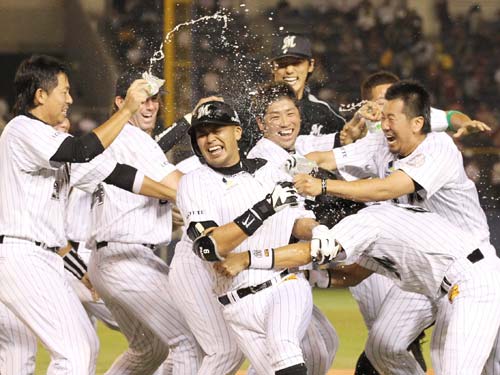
<point x="97" y="196"/>
<point x="316" y="129"/>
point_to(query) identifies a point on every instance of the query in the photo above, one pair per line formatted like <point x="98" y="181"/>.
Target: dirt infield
<point x="337" y="372"/>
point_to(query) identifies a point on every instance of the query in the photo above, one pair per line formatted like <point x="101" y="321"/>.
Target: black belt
<point x="243" y="292"/>
<point x="473" y="257"/>
<point x="105" y="243"/>
<point x="54" y="249"/>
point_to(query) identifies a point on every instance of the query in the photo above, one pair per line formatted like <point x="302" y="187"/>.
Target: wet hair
<point x="35" y="72"/>
<point x="379" y="78"/>
<point x="416" y="100"/>
<point x="269" y="93"/>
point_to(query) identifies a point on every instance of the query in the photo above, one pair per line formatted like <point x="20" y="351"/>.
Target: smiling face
<point x="219" y="144"/>
<point x="294" y="71"/>
<point x="52" y="107"/>
<point x="403" y="134"/>
<point x="145" y="117"/>
<point x="281" y="123"/>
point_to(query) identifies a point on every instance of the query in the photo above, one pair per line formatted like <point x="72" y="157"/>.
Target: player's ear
<point x="237" y="132"/>
<point x="119" y="101"/>
<point x="417" y="124"/>
<point x="260" y="124"/>
<point x="40" y="97"/>
<point x="312" y="65"/>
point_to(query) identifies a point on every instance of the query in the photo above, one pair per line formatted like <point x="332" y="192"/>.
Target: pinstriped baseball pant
<point x="35" y="289"/>
<point x="134" y="284"/>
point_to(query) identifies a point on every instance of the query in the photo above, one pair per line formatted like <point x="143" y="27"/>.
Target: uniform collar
<point x="244" y="165"/>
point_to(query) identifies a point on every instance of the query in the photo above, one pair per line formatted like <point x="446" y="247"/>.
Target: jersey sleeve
<point x="312" y="143"/>
<point x="357" y="160"/>
<point x="33" y="144"/>
<point x="432" y="166"/>
<point x="439" y="120"/>
<point x="196" y="201"/>
<point x="86" y="176"/>
<point x="355" y="233"/>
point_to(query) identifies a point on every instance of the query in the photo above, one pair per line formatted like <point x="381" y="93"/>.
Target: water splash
<point x="352" y="106"/>
<point x="158" y="55"/>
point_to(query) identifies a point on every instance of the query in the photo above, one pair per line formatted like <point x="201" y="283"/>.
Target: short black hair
<point x="269" y="93"/>
<point x="35" y="72"/>
<point x="417" y="101"/>
<point x="382" y="77"/>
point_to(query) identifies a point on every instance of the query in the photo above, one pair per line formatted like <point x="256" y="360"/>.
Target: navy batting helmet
<point x="210" y="113"/>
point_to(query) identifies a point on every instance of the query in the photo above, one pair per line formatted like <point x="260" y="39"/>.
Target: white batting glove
<point x="284" y="194"/>
<point x="324" y="247"/>
<point x="296" y="164"/>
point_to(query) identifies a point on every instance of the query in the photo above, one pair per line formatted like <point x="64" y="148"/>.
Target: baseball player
<point x="279" y="120"/>
<point x="123" y="268"/>
<point x="242" y="202"/>
<point x="413" y="165"/>
<point x="33" y="190"/>
<point x="292" y="62"/>
<point x="423" y="253"/>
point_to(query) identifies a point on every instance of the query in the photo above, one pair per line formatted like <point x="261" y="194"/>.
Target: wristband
<point x="261" y="259"/>
<point x="74" y="264"/>
<point x="449" y="114"/>
<point x="323" y="186"/>
<point x="138" y="181"/>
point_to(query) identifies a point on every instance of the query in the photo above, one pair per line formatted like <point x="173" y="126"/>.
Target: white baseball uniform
<point x="436" y="167"/>
<point x="320" y="343"/>
<point x="268" y="324"/>
<point x="424" y="253"/>
<point x="33" y="192"/>
<point x="128" y="276"/>
<point x="78" y="222"/>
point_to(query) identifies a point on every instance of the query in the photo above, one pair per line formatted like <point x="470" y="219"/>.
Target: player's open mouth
<point x="390" y="139"/>
<point x="215" y="150"/>
<point x="291" y="80"/>
<point x="285" y="133"/>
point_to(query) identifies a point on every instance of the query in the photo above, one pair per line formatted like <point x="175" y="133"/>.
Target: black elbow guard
<point x="78" y="150"/>
<point x="206" y="249"/>
<point x="123" y="176"/>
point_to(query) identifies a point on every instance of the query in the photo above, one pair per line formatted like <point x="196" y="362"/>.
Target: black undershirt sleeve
<point x="78" y="149"/>
<point x="123" y="176"/>
<point x="171" y="136"/>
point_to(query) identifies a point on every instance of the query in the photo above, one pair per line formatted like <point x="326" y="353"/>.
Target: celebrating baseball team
<point x="270" y="206"/>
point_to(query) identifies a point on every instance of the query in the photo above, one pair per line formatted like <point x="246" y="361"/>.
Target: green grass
<point x="338" y="305"/>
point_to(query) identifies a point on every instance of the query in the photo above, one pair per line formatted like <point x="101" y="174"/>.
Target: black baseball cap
<point x="210" y="113"/>
<point x="291" y="45"/>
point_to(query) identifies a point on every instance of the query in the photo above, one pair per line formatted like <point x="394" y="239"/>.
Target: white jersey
<point x="222" y="198"/>
<point x="304" y="144"/>
<point x="119" y="215"/>
<point x="413" y="247"/>
<point x="78" y="216"/>
<point x="436" y="166"/>
<point x="33" y="189"/>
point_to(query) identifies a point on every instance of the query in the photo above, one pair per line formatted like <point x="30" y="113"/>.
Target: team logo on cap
<point x="204" y="110"/>
<point x="288" y="42"/>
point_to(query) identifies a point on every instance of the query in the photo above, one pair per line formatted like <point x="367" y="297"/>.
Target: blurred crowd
<point x="351" y="39"/>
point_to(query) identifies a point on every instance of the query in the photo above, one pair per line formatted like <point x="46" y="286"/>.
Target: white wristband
<point x="261" y="259"/>
<point x="138" y="181"/>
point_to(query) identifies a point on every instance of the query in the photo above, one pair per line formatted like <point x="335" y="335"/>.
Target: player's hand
<point x="324" y="247"/>
<point x="283" y="195"/>
<point x="370" y="111"/>
<point x="137" y="93"/>
<point x="471" y="127"/>
<point x="177" y="220"/>
<point x="307" y="185"/>
<point x="353" y="130"/>
<point x="206" y="100"/>
<point x="233" y="264"/>
<point x="86" y="281"/>
<point x="296" y="164"/>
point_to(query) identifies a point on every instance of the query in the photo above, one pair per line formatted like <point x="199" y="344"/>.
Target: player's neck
<point x="412" y="146"/>
<point x="40" y="115"/>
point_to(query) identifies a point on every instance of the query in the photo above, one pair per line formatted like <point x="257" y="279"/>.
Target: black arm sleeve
<point x="78" y="150"/>
<point x="172" y="135"/>
<point x="123" y="176"/>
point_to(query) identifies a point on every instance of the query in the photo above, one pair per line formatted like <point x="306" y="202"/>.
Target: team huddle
<point x="379" y="203"/>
